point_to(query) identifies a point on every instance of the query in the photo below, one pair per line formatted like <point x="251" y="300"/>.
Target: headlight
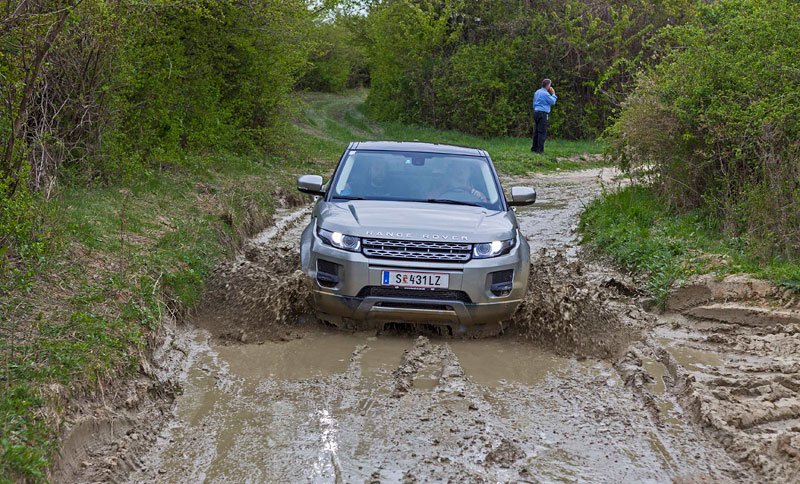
<point x="492" y="249"/>
<point x="340" y="240"/>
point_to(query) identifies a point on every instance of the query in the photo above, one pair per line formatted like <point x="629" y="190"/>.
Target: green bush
<point x="407" y="51"/>
<point x="131" y="88"/>
<point x="718" y="120"/>
<point x="339" y="60"/>
<point x="204" y="79"/>
<point x="475" y="89"/>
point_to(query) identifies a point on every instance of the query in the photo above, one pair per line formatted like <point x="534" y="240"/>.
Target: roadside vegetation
<point x="712" y="133"/>
<point x="141" y="142"/>
<point x="638" y="231"/>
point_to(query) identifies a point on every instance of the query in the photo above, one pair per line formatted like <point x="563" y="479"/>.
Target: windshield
<point x="417" y="177"/>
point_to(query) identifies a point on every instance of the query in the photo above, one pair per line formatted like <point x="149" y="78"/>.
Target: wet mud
<point x="732" y="358"/>
<point x="585" y="386"/>
<point x="570" y="312"/>
<point x="339" y="407"/>
<point x="262" y="294"/>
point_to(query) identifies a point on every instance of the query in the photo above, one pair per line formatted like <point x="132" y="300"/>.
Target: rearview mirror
<point x="311" y="184"/>
<point x="522" y="196"/>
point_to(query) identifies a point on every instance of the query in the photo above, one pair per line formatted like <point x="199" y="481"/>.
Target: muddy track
<point x="586" y="386"/>
<point x="729" y="352"/>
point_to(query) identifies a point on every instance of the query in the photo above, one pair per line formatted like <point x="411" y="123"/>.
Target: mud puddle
<point x="741" y="382"/>
<point x="360" y="407"/>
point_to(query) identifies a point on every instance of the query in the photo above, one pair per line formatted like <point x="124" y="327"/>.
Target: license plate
<point x="417" y="280"/>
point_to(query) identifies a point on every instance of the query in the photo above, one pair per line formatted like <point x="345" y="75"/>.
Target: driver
<point x="377" y="176"/>
<point x="458" y="181"/>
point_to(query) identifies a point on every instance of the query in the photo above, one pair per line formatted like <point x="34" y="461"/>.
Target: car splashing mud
<point x="266" y="398"/>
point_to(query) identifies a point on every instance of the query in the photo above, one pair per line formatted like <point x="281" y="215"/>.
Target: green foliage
<point x="128" y="89"/>
<point x="206" y="76"/>
<point x="23" y="238"/>
<point x="473" y="66"/>
<point x="127" y="86"/>
<point x="339" y="60"/>
<point x="409" y="42"/>
<point x="637" y="230"/>
<point x="718" y="120"/>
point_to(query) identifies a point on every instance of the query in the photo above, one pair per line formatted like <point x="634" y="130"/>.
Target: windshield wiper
<point x="453" y="202"/>
<point x="347" y="197"/>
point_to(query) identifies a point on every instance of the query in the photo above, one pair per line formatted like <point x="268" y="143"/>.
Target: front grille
<point x="416" y="250"/>
<point x="440" y="294"/>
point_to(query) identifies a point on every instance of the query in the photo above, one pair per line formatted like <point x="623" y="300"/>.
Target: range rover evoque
<point x="409" y="232"/>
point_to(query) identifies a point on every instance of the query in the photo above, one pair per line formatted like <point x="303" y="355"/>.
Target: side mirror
<point x="522" y="196"/>
<point x="310" y="184"/>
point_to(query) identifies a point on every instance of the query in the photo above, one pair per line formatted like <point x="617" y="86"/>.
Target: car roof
<point x="416" y="146"/>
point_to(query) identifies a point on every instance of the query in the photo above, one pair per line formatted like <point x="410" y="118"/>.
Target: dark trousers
<point x="540" y="120"/>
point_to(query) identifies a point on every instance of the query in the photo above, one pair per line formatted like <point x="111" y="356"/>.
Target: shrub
<point x="718" y="120"/>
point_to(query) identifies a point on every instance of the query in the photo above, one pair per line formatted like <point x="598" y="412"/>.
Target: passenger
<point x="374" y="184"/>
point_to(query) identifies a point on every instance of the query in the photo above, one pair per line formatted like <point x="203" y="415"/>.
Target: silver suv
<point x="414" y="233"/>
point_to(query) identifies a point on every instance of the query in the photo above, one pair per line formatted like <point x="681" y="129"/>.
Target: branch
<point x="31" y="77"/>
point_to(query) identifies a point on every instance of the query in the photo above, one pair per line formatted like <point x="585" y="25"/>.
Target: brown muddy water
<point x="321" y="405"/>
<point x="334" y="407"/>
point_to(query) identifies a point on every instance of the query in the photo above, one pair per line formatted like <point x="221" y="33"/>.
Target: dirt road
<point x="268" y="398"/>
<point x="332" y="406"/>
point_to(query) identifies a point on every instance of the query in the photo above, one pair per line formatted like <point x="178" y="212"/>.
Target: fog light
<point x="327" y="273"/>
<point x="502" y="282"/>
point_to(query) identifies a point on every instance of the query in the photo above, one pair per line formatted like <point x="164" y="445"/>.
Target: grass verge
<point x="639" y="233"/>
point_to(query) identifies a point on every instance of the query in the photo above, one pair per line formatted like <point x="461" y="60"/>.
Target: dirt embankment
<point x="106" y="433"/>
<point x="729" y="351"/>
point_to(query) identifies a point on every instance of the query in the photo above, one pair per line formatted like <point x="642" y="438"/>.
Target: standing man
<point x="543" y="98"/>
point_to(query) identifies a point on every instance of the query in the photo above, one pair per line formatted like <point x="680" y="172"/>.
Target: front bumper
<point x="356" y="293"/>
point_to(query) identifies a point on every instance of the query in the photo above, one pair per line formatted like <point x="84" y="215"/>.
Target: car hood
<point x="416" y="221"/>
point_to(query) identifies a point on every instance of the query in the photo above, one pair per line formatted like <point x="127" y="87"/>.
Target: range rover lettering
<point x="415" y="233"/>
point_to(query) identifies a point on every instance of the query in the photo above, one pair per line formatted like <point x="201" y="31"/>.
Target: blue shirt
<point x="542" y="100"/>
